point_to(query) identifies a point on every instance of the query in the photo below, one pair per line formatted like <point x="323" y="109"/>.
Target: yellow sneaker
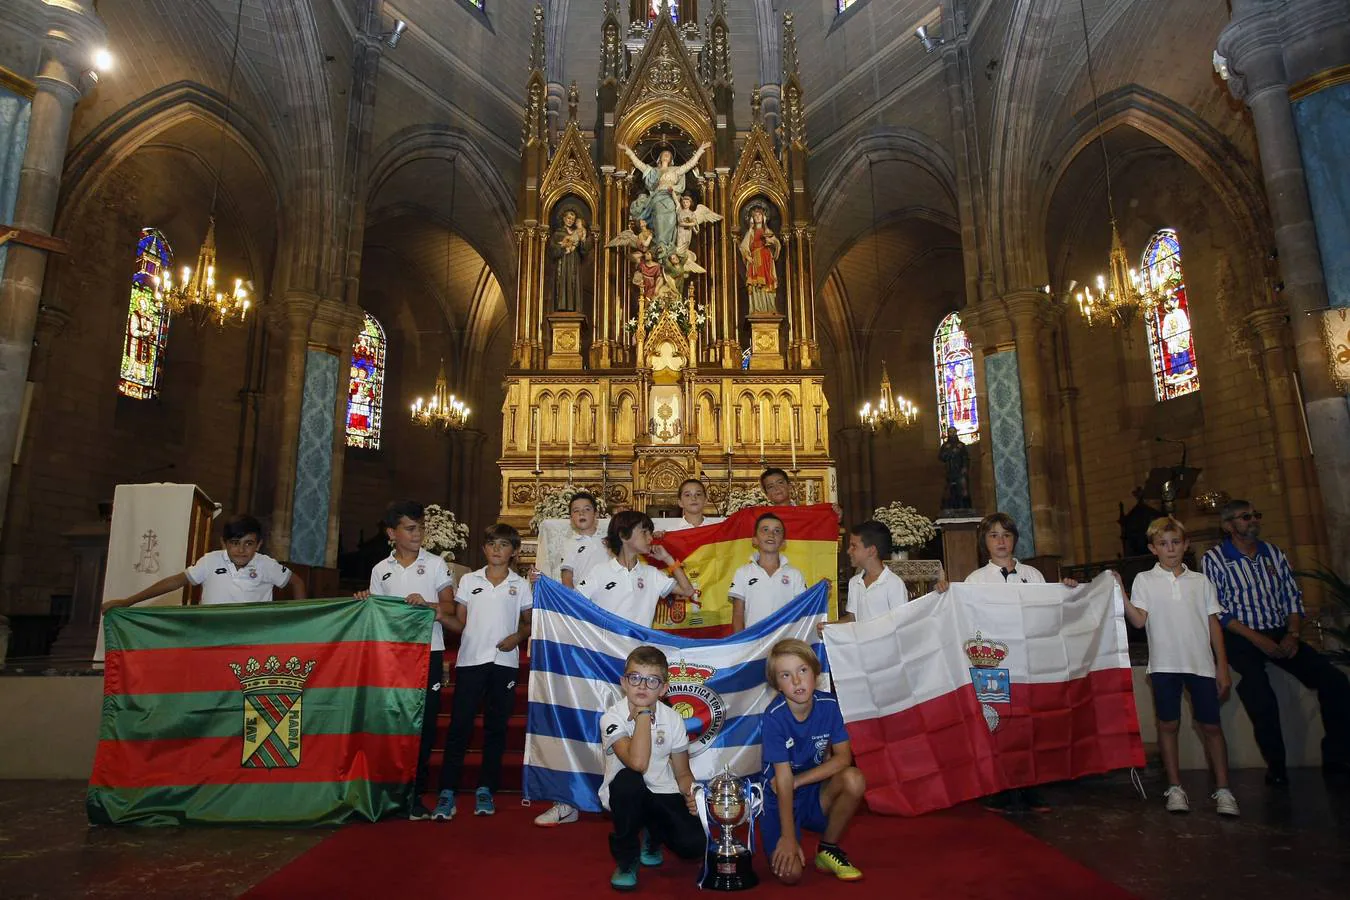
<point x="836" y="863"/>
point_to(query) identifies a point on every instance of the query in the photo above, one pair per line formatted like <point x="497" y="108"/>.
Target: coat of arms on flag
<point x="272" y="711"/>
<point x="992" y="682"/>
<point x="703" y="710"/>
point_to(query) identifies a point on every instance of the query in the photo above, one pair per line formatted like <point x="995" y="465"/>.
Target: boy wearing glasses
<point x="236" y="573"/>
<point x="1262" y="619"/>
<point x="647" y="781"/>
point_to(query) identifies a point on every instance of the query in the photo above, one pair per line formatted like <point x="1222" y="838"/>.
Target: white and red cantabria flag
<point x="986" y="687"/>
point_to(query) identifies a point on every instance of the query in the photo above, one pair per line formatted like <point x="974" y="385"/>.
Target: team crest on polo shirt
<point x="512" y="591"/>
<point x="785" y="579"/>
<point x="272" y="695"/>
<point x="640" y="583"/>
<point x="702" y="708"/>
<point x="993" y="684"/>
<point x="421" y="569"/>
<point x="252" y="572"/>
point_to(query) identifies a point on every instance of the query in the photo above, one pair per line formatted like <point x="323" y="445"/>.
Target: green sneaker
<point x="624" y="879"/>
<point x="651" y="855"/>
<point x="836" y="863"/>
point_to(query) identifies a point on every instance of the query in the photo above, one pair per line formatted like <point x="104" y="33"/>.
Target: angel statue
<point x="689" y="218"/>
<point x="680" y="265"/>
<point x="665" y="185"/>
<point x="636" y="242"/>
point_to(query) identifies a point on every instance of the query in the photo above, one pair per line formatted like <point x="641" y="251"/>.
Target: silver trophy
<point x="730" y="802"/>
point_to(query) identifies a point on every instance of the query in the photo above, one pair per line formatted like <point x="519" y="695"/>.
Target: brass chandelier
<point x="1121" y="295"/>
<point x="445" y="411"/>
<point x="196" y="293"/>
<point x="890" y="412"/>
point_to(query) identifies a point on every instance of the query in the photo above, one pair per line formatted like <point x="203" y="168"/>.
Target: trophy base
<point x="729" y="873"/>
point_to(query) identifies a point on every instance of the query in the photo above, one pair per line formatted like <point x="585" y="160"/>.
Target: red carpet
<point x="959" y="853"/>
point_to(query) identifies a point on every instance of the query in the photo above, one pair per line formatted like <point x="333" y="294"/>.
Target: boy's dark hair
<point x="987" y="524"/>
<point x="238" y="526"/>
<point x="874" y="534"/>
<point x="503" y="532"/>
<point x="583" y="495"/>
<point x="647" y="655"/>
<point x="773" y="470"/>
<point x="622" y="526"/>
<point x="691" y="481"/>
<point x="772" y="517"/>
<point x="400" y="508"/>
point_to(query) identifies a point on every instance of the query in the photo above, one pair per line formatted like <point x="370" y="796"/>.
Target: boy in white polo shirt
<point x="236" y="573"/>
<point x="997" y="534"/>
<point x="627" y="586"/>
<point x="422" y="579"/>
<point x="647" y="782"/>
<point x="493" y="609"/>
<point x="586" y="548"/>
<point x="1179" y="609"/>
<point x="764" y="585"/>
<point x="693" y="499"/>
<point x="876" y="589"/>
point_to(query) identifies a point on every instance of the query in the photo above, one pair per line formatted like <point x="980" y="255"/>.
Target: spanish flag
<point x="712" y="553"/>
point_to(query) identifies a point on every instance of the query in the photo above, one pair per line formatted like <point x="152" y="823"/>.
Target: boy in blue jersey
<point x="809" y="778"/>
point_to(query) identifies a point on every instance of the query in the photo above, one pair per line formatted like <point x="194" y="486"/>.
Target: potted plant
<point x="910" y="529"/>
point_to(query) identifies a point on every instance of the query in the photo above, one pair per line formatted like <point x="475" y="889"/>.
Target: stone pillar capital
<point x="1251" y="47"/>
<point x="335" y="325"/>
<point x="987" y="323"/>
<point x="1270" y="324"/>
<point x="295" y="311"/>
<point x="72" y="33"/>
<point x="1028" y="306"/>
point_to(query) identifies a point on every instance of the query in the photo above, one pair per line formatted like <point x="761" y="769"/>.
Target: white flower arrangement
<point x="909" y="528"/>
<point x="554" y="504"/>
<point x="741" y="498"/>
<point x="442" y="533"/>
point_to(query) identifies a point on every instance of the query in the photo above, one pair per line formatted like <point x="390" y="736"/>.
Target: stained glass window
<point x="147" y="328"/>
<point x="954" y="371"/>
<point x="1170" y="349"/>
<point x="845" y="4"/>
<point x="654" y="10"/>
<point x="365" y="391"/>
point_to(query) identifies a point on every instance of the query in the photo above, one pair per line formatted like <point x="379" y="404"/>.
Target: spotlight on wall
<point x="1220" y="65"/>
<point x="391" y="38"/>
<point x="103" y="60"/>
<point x="929" y="43"/>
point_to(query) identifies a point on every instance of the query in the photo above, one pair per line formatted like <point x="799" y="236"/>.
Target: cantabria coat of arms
<point x="272" y="695"/>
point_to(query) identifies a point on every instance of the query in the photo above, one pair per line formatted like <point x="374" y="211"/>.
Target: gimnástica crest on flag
<point x="987" y="687"/>
<point x="577" y="654"/>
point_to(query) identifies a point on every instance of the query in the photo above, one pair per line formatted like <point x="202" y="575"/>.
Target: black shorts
<point x="1167" y="696"/>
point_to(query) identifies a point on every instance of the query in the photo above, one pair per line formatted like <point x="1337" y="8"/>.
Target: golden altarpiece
<point x="665" y="322"/>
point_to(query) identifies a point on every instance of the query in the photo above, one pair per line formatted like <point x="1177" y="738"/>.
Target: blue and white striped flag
<point x="577" y="652"/>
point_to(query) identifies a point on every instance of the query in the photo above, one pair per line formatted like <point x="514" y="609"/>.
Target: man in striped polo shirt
<point x="1262" y="619"/>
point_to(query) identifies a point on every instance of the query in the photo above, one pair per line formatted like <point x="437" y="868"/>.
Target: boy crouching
<point x="647" y="780"/>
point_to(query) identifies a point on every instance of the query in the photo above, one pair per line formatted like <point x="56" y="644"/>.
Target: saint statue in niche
<point x="567" y="246"/>
<point x="665" y="183"/>
<point x="760" y="248"/>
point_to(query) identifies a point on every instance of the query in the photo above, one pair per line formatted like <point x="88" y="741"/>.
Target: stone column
<point x="1269" y="323"/>
<point x="1028" y="311"/>
<point x="851" y="438"/>
<point x="988" y="329"/>
<point x="292" y="317"/>
<point x="1251" y="44"/>
<point x="73" y="32"/>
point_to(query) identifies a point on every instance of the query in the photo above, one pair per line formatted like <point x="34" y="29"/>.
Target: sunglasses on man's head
<point x="1248" y="516"/>
<point x="637" y="679"/>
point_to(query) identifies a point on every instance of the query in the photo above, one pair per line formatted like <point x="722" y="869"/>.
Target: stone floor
<point x="1289" y="843"/>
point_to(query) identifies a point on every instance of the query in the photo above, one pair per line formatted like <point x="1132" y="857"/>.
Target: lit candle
<point x="604" y="429"/>
<point x="792" y="434"/>
<point x="537" y="430"/>
<point x="761" y="427"/>
<point x="571" y="420"/>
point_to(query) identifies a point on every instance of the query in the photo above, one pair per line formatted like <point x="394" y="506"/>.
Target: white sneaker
<point x="1176" y="800"/>
<point x="1225" y="802"/>
<point x="560" y="814"/>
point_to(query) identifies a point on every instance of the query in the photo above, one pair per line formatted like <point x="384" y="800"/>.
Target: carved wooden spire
<point x="794" y="117"/>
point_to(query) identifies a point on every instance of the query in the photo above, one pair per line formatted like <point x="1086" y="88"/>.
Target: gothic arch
<point x="1192" y="139"/>
<point x="883" y="145"/>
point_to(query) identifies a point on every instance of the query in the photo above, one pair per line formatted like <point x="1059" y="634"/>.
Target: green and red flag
<point x="274" y="713"/>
